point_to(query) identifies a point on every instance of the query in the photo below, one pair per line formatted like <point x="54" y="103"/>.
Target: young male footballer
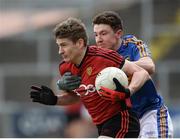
<point x="155" y="121"/>
<point x="79" y="69"/>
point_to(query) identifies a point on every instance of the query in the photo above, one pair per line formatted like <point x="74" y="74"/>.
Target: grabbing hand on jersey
<point x="69" y="82"/>
<point x="120" y="94"/>
<point x="43" y="95"/>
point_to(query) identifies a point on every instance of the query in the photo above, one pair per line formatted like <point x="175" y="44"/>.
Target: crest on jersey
<point x="89" y="71"/>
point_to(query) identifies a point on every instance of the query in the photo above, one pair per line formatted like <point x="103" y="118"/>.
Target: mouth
<point x="63" y="56"/>
<point x="102" y="45"/>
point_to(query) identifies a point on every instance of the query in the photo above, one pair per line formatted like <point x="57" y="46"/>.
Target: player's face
<point x="106" y="37"/>
<point x="68" y="50"/>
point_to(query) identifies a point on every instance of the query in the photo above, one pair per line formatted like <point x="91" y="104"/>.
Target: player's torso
<point x="99" y="109"/>
<point x="147" y="97"/>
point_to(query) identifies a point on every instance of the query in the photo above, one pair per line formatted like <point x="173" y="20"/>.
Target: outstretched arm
<point x="45" y="95"/>
<point x="67" y="98"/>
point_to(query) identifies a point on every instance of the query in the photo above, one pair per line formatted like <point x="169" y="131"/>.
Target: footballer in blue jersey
<point x="155" y="120"/>
<point x="147" y="97"/>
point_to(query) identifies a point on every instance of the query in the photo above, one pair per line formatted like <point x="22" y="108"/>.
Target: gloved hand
<point x="43" y="95"/>
<point x="119" y="94"/>
<point x="68" y="82"/>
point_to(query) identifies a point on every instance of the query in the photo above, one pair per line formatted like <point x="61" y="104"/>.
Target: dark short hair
<point x="72" y="29"/>
<point x="110" y="18"/>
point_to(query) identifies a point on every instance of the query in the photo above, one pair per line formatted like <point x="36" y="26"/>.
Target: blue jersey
<point x="146" y="98"/>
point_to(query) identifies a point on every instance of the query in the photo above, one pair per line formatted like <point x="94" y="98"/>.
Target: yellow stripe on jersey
<point x="142" y="51"/>
<point x="139" y="43"/>
<point x="163" y="123"/>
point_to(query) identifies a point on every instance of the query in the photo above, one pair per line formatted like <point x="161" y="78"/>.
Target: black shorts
<point x="123" y="125"/>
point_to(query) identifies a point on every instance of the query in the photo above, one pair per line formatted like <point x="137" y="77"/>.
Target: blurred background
<point x="29" y="55"/>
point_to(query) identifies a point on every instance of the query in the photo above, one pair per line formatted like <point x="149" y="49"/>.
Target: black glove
<point x="121" y="89"/>
<point x="126" y="91"/>
<point x="69" y="82"/>
<point x="43" y="95"/>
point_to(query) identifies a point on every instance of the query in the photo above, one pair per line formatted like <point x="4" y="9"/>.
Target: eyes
<point x="62" y="45"/>
<point x="103" y="33"/>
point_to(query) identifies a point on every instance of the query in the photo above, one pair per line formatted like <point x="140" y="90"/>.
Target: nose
<point x="99" y="39"/>
<point x="61" y="51"/>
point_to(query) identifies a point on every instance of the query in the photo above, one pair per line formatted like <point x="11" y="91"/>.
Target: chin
<point x="102" y="46"/>
<point x="66" y="60"/>
<point x="106" y="47"/>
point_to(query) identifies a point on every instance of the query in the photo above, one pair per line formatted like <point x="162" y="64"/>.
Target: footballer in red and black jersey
<point x="93" y="62"/>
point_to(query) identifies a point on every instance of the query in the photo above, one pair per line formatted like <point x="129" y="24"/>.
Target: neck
<point x="118" y="45"/>
<point x="81" y="55"/>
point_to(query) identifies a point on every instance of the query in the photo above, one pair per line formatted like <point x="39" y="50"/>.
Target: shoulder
<point x="102" y="52"/>
<point x="103" y="55"/>
<point x="131" y="40"/>
<point x="64" y="67"/>
<point x="136" y="45"/>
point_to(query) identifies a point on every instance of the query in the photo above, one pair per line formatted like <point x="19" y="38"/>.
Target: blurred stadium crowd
<point x="28" y="55"/>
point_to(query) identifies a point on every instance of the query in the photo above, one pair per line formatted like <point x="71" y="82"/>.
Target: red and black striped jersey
<point x="93" y="62"/>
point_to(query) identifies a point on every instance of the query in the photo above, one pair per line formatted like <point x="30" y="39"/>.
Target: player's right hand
<point x="69" y="82"/>
<point x="43" y="95"/>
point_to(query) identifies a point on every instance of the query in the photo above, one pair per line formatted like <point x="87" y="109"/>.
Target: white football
<point x="105" y="78"/>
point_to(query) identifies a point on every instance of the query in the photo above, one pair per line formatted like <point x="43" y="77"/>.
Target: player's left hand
<point x="119" y="94"/>
<point x="69" y="82"/>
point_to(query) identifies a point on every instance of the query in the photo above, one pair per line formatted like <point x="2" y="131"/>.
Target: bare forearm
<point x="67" y="99"/>
<point x="137" y="81"/>
<point x="138" y="75"/>
<point x="147" y="64"/>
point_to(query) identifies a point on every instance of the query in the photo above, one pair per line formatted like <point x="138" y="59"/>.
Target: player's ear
<point x="80" y="43"/>
<point x="119" y="33"/>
